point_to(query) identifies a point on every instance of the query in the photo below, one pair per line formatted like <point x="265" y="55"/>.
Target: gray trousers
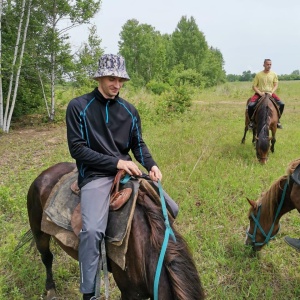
<point x="94" y="209"/>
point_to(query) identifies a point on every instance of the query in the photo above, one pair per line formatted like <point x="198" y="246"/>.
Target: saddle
<point x="259" y="102"/>
<point x="117" y="199"/>
<point x="62" y="217"/>
<point x="296" y="175"/>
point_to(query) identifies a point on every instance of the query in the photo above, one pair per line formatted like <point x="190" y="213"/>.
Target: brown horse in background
<point x="265" y="213"/>
<point x="179" y="278"/>
<point x="266" y="117"/>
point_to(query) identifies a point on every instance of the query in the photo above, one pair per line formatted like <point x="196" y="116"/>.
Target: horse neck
<point x="263" y="113"/>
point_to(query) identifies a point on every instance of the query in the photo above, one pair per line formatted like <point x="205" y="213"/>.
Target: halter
<point x="268" y="236"/>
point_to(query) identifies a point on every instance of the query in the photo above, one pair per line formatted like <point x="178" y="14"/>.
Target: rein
<point x="256" y="219"/>
<point x="168" y="232"/>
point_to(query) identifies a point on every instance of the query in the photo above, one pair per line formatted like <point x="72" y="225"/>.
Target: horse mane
<point x="178" y="260"/>
<point x="292" y="166"/>
<point x="270" y="198"/>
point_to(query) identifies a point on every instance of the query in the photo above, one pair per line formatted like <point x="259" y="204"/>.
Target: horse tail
<point x="27" y="237"/>
<point x="178" y="261"/>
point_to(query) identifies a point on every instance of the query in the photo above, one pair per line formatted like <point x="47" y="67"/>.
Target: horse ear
<point x="252" y="203"/>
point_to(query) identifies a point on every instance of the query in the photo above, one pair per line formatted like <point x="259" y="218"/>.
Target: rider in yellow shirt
<point x="265" y="82"/>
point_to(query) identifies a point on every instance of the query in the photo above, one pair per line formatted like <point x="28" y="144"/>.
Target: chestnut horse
<point x="265" y="213"/>
<point x="266" y="117"/>
<point x="179" y="278"/>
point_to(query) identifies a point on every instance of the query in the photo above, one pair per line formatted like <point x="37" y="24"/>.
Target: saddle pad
<point x="62" y="201"/>
<point x="296" y="175"/>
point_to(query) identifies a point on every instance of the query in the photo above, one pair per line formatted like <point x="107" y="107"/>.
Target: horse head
<point x="262" y="145"/>
<point x="265" y="213"/>
<point x="261" y="229"/>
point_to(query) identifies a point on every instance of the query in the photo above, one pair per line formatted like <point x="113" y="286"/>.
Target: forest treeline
<point x="248" y="76"/>
<point x="36" y="55"/>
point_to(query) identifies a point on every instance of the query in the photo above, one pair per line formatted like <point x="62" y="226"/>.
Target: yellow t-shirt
<point x="265" y="81"/>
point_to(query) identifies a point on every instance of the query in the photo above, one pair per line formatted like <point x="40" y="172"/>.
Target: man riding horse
<point x="265" y="82"/>
<point x="101" y="129"/>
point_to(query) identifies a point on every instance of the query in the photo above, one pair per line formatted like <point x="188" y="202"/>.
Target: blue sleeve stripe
<point x="83" y="116"/>
<point x="139" y="139"/>
<point x="132" y="118"/>
<point x="106" y="111"/>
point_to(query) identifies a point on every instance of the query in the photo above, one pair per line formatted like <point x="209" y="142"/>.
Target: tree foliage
<point x="179" y="58"/>
<point x="158" y="61"/>
<point x="86" y="59"/>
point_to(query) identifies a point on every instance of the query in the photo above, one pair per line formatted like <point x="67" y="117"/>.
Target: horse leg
<point x="43" y="245"/>
<point x="254" y="137"/>
<point x="244" y="137"/>
<point x="247" y="121"/>
<point x="273" y="141"/>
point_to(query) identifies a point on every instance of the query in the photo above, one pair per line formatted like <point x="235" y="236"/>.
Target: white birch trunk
<point x="19" y="68"/>
<point x="53" y="61"/>
<point x="44" y="95"/>
<point x="1" y="89"/>
<point x="5" y="127"/>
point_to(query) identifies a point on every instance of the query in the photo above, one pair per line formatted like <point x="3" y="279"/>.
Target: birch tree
<point x="36" y="53"/>
<point x="10" y="107"/>
<point x="1" y="89"/>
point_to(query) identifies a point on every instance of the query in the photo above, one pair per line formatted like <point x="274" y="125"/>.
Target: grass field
<point x="208" y="173"/>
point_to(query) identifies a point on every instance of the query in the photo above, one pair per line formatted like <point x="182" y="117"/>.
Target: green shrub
<point x="175" y="101"/>
<point x="158" y="87"/>
<point x="187" y="77"/>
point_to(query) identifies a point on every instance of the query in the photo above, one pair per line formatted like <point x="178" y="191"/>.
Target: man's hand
<point x="129" y="166"/>
<point x="261" y="94"/>
<point x="155" y="174"/>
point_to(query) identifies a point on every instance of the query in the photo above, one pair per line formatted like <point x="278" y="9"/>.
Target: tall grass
<point x="206" y="170"/>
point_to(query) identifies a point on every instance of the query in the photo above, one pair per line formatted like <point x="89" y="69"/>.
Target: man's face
<point x="267" y="65"/>
<point x="110" y="86"/>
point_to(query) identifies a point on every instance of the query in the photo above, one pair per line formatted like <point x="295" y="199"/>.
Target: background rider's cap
<point x="111" y="65"/>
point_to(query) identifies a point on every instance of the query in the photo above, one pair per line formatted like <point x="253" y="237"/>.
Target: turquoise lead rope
<point x="168" y="232"/>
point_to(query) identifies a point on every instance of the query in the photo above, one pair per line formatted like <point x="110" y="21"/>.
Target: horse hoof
<point x="51" y="295"/>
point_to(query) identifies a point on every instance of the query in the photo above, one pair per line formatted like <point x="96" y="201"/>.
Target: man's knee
<point x="173" y="207"/>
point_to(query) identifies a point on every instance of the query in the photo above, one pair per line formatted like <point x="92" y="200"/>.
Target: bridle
<point x="256" y="219"/>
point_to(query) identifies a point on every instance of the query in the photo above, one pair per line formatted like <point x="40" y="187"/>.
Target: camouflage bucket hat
<point x="111" y="65"/>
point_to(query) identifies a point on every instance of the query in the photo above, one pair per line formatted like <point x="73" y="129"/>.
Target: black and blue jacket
<point x="100" y="132"/>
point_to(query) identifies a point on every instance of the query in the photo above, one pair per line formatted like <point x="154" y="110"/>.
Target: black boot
<point x="88" y="296"/>
<point x="281" y="108"/>
<point x="251" y="107"/>
<point x="295" y="243"/>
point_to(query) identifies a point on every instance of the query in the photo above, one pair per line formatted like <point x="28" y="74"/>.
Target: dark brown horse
<point x="266" y="118"/>
<point x="179" y="278"/>
<point x="265" y="213"/>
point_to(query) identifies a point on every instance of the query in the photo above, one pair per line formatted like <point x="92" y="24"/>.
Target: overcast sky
<point x="245" y="31"/>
